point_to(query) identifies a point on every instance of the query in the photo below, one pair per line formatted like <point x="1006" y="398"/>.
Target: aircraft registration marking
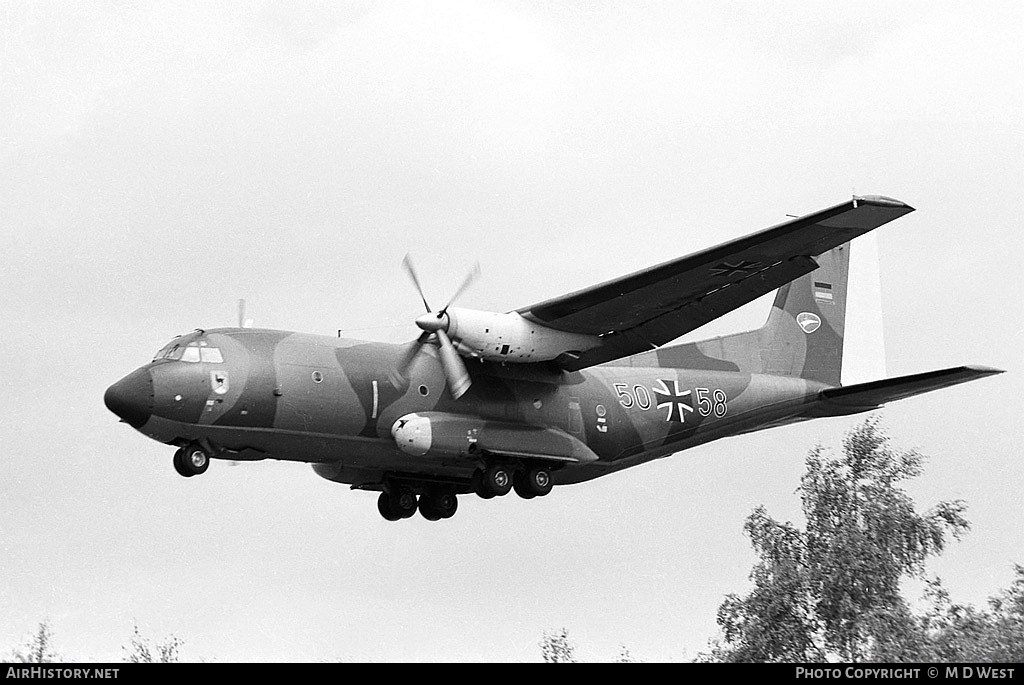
<point x="679" y="402"/>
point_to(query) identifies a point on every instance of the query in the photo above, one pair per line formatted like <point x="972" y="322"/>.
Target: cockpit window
<point x="166" y="352"/>
<point x="210" y="354"/>
<point x="197" y="351"/>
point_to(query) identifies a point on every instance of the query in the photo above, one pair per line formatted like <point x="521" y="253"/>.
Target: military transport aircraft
<point x="558" y="392"/>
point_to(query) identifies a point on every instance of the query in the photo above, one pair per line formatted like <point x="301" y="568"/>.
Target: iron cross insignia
<point x="741" y="269"/>
<point x="677" y="401"/>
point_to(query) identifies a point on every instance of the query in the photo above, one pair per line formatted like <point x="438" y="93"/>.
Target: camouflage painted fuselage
<point x="575" y="387"/>
<point x="332" y="402"/>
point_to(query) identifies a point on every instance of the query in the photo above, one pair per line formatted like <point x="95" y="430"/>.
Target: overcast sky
<point x="159" y="161"/>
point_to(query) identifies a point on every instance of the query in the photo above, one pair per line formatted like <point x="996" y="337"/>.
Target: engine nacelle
<point x="439" y="434"/>
<point x="509" y="337"/>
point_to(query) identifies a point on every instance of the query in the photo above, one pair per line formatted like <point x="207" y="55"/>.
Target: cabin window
<point x="191" y="354"/>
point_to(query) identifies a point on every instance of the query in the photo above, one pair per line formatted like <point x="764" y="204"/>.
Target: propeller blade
<point x="470" y="277"/>
<point x="454" y="368"/>
<point x="401" y="371"/>
<point x="409" y="269"/>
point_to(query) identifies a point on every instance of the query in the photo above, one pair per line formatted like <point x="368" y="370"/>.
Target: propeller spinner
<point x="436" y="324"/>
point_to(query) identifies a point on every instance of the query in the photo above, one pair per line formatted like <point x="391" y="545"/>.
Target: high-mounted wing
<point x="649" y="308"/>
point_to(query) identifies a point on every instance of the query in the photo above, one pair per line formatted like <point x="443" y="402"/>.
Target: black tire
<point x="179" y="463"/>
<point x="427" y="509"/>
<point x="402" y="503"/>
<point x="446" y="503"/>
<point x="522" y="487"/>
<point x="498" y="480"/>
<point x="538" y="480"/>
<point x="384" y="507"/>
<point x="478" y="485"/>
<point x="194" y="460"/>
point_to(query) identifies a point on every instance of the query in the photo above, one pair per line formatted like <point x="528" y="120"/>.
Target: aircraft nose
<point x="131" y="398"/>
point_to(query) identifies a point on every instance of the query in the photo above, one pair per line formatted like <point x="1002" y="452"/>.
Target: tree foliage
<point x="38" y="649"/>
<point x="953" y="632"/>
<point x="832" y="591"/>
<point x="556" y="648"/>
<point x="140" y="651"/>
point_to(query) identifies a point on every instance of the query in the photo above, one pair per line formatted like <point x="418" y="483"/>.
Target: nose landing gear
<point x="191" y="460"/>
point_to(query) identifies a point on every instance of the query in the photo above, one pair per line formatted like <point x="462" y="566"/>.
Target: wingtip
<point x="984" y="370"/>
<point x="881" y="201"/>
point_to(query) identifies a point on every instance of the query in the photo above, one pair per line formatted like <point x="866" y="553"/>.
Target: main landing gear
<point x="403" y="497"/>
<point x="433" y="505"/>
<point x="528" y="481"/>
<point x="191" y="460"/>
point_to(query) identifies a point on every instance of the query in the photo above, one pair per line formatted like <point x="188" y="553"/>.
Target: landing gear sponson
<point x="403" y="497"/>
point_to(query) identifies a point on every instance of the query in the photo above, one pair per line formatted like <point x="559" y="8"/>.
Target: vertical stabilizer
<point x="803" y="337"/>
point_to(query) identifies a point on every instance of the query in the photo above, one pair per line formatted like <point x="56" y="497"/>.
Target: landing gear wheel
<point x="533" y="482"/>
<point x="179" y="463"/>
<point x="521" y="487"/>
<point x="427" y="509"/>
<point x="384" y="507"/>
<point x="402" y="503"/>
<point x="438" y="505"/>
<point x="480" y="487"/>
<point x="498" y="480"/>
<point x="191" y="460"/>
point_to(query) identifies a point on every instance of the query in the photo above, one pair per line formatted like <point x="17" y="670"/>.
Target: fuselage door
<point x="575" y="417"/>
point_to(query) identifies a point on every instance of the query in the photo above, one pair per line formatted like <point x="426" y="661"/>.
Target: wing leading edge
<point x="649" y="308"/>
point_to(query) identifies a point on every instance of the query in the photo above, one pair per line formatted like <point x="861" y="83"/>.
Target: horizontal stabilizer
<point x="851" y="399"/>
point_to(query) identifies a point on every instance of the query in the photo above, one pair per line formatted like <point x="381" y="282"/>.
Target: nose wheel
<point x="191" y="460"/>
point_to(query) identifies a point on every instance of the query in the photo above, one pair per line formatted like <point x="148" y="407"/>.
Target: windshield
<point x="195" y="351"/>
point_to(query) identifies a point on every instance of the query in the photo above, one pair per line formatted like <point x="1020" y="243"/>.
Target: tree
<point x="832" y="591"/>
<point x="140" y="651"/>
<point x="39" y="648"/>
<point x="952" y="632"/>
<point x="625" y="656"/>
<point x="557" y="649"/>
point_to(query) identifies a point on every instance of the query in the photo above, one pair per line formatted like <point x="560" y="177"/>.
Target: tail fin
<point x="803" y="337"/>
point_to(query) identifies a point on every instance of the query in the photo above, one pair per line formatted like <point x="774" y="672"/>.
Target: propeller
<point x="436" y="324"/>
